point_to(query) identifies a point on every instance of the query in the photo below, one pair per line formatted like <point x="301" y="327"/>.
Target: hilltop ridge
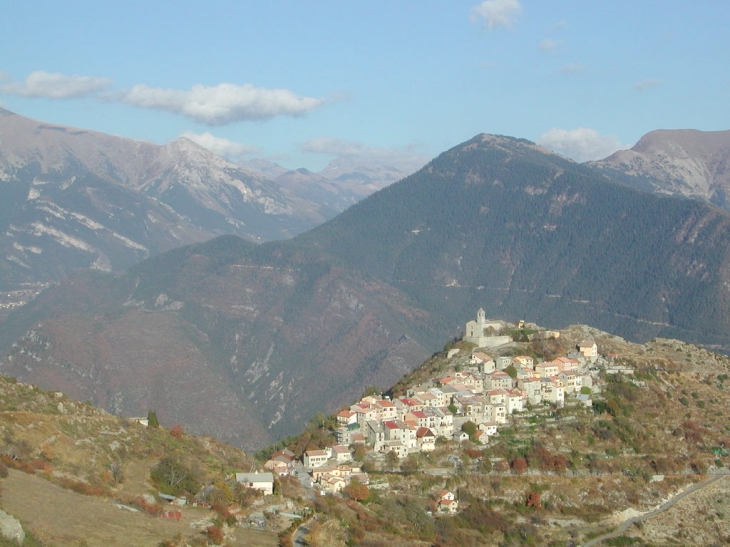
<point x="628" y="446"/>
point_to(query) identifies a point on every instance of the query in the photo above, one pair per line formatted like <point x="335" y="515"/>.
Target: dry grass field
<point x="63" y="518"/>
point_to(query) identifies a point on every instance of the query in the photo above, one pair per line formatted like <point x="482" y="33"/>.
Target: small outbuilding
<point x="258" y="481"/>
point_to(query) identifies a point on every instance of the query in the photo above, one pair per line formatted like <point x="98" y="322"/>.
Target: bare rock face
<point x="685" y="162"/>
<point x="11" y="529"/>
<point x="72" y="198"/>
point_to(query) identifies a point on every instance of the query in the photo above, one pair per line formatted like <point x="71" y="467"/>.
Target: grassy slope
<point x="66" y="449"/>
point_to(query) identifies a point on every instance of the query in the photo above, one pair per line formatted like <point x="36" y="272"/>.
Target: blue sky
<point x="301" y="83"/>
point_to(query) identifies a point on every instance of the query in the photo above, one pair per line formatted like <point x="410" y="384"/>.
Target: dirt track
<point x="661" y="509"/>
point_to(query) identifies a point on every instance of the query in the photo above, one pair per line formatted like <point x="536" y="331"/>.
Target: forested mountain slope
<point x="525" y="233"/>
<point x="231" y="339"/>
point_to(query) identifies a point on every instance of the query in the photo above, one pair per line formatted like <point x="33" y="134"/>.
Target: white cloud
<point x="548" y="45"/>
<point x="645" y="84"/>
<point x="351" y="152"/>
<point x="223" y="103"/>
<point x="496" y="13"/>
<point x="221" y="146"/>
<point x="581" y="144"/>
<point x="53" y="85"/>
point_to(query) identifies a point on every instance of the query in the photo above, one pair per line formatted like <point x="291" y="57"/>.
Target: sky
<point x="303" y="83"/>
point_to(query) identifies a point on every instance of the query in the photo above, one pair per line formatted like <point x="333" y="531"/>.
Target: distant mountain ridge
<point x="278" y="331"/>
<point x="343" y="182"/>
<point x="682" y="162"/>
<point x="72" y="198"/>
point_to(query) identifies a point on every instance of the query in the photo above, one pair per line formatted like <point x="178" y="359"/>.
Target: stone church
<point x="483" y="333"/>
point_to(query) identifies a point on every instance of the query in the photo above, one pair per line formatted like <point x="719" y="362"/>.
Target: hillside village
<point x="511" y="432"/>
<point x="479" y="392"/>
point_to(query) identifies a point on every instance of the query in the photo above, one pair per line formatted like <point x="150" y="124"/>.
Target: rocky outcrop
<point x="684" y="162"/>
<point x="11" y="529"/>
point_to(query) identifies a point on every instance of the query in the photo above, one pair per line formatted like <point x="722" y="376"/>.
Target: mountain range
<point x="72" y="198"/>
<point x="246" y="342"/>
<point x="344" y="181"/>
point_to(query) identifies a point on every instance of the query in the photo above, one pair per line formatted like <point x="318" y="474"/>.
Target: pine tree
<point x="152" y="420"/>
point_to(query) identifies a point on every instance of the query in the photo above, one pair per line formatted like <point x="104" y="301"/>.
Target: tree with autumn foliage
<point x="519" y="465"/>
<point x="215" y="535"/>
<point x="356" y="490"/>
<point x="533" y="500"/>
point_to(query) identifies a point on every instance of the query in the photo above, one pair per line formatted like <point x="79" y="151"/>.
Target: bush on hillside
<point x="174" y="478"/>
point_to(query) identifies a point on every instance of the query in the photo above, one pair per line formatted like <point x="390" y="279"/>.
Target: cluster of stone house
<point x="333" y="478"/>
<point x="405" y="425"/>
<point x="281" y="462"/>
<point x="480" y="391"/>
<point x="332" y="468"/>
<point x="477" y="389"/>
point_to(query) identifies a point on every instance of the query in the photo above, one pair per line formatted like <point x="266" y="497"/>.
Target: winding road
<point x="666" y="505"/>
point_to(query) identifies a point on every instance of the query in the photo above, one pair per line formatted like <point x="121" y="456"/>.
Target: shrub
<point x="621" y="541"/>
<point x="533" y="500"/>
<point x="154" y="509"/>
<point x="173" y="477"/>
<point x="519" y="465"/>
<point x="215" y="535"/>
<point x="501" y="466"/>
<point x="42" y="465"/>
<point x="81" y="487"/>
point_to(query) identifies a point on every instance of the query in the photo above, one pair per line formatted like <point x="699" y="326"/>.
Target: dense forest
<point x="525" y="233"/>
